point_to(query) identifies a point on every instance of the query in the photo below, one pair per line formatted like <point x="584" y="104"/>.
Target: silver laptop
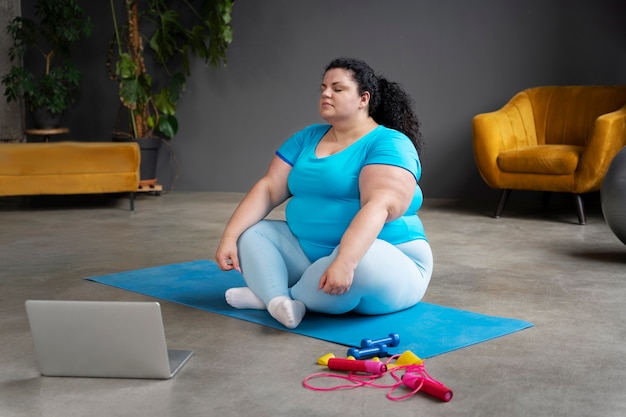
<point x="112" y="339"/>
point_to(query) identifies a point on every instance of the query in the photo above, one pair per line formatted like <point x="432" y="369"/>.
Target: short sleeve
<point x="394" y="148"/>
<point x="293" y="147"/>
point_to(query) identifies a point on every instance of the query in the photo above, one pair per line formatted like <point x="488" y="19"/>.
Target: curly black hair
<point x="389" y="104"/>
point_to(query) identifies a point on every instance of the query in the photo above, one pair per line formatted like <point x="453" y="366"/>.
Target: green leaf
<point x="163" y="104"/>
<point x="168" y="125"/>
<point x="135" y="92"/>
<point x="177" y="85"/>
<point x="126" y="67"/>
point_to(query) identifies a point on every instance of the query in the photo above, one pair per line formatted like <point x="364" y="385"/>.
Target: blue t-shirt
<point x="326" y="193"/>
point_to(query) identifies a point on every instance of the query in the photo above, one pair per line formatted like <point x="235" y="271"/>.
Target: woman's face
<point x="340" y="97"/>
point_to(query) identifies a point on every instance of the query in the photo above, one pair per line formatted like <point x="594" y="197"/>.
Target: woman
<point x="352" y="240"/>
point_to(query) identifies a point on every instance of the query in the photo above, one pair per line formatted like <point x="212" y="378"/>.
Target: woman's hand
<point x="226" y="255"/>
<point x="337" y="278"/>
<point x="269" y="192"/>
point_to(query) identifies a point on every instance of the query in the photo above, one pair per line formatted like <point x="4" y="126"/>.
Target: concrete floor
<point x="569" y="280"/>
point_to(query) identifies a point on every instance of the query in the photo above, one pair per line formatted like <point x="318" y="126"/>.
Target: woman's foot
<point x="287" y="311"/>
<point x="243" y="298"/>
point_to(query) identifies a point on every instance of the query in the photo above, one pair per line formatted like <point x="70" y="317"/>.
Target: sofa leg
<point x="545" y="199"/>
<point x="580" y="209"/>
<point x="503" y="199"/>
<point x="131" y="197"/>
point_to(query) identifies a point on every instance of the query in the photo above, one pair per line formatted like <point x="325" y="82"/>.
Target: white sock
<point x="243" y="298"/>
<point x="287" y="311"/>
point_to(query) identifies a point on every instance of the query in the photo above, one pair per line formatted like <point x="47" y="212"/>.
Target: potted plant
<point x="48" y="86"/>
<point x="149" y="58"/>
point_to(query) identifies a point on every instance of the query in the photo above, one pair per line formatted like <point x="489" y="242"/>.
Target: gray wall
<point x="456" y="58"/>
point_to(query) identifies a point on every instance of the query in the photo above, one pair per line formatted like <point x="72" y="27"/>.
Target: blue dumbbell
<point x="368" y="352"/>
<point x="393" y="340"/>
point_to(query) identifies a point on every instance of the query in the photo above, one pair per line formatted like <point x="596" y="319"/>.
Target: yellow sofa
<point x="69" y="168"/>
<point x="551" y="139"/>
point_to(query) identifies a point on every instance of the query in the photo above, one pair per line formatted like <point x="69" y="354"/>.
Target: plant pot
<point x="149" y="149"/>
<point x="45" y="119"/>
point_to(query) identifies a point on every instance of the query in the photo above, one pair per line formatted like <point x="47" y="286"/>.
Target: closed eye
<point x="336" y="88"/>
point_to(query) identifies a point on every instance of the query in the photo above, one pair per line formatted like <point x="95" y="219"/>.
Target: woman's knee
<point x="260" y="234"/>
<point x="420" y="252"/>
<point x="262" y="228"/>
<point x="390" y="280"/>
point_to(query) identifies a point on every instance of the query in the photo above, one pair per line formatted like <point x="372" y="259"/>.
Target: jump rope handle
<point x="429" y="386"/>
<point x="371" y="367"/>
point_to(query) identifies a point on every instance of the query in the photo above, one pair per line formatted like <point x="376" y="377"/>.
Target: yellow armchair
<point x="551" y="139"/>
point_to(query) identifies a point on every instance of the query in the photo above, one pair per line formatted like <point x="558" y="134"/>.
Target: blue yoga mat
<point x="426" y="329"/>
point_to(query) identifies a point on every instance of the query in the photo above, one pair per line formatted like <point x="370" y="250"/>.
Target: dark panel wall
<point x="456" y="58"/>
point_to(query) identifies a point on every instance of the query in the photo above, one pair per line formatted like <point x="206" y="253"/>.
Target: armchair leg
<point x="131" y="197"/>
<point x="503" y="199"/>
<point x="580" y="209"/>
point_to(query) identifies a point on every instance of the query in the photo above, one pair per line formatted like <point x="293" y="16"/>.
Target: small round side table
<point x="46" y="133"/>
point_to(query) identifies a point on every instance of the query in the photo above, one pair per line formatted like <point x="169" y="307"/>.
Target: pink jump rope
<point x="363" y="372"/>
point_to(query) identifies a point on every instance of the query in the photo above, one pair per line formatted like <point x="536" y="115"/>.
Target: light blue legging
<point x="389" y="277"/>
